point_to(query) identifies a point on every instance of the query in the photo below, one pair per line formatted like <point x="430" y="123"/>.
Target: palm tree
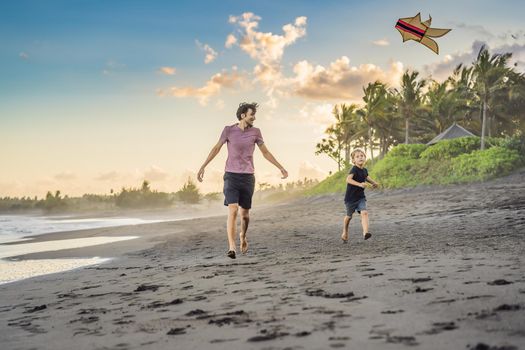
<point x="462" y="82"/>
<point x="341" y="134"/>
<point x="410" y="98"/>
<point x="375" y="98"/>
<point x="516" y="104"/>
<point x="443" y="105"/>
<point x="331" y="146"/>
<point x="491" y="75"/>
<point x="388" y="126"/>
<point x="347" y="122"/>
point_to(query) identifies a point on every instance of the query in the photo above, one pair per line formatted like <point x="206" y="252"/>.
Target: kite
<point x="411" y="28"/>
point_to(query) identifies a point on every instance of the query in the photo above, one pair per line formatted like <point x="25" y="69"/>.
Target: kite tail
<point x="431" y="44"/>
<point x="436" y="32"/>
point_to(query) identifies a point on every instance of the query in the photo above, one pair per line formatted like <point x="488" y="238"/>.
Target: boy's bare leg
<point x="245" y="221"/>
<point x="364" y="221"/>
<point x="232" y="225"/>
<point x="346" y="223"/>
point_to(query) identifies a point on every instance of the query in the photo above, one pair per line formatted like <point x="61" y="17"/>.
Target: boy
<point x="355" y="199"/>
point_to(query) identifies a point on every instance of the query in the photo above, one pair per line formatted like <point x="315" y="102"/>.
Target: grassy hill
<point x="447" y="162"/>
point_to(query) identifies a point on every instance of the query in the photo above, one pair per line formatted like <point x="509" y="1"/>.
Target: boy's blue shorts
<point x="358" y="205"/>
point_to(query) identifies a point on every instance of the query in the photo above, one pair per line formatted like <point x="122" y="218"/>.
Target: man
<point x="239" y="181"/>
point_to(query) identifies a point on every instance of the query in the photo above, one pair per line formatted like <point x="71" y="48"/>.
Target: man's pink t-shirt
<point x="241" y="144"/>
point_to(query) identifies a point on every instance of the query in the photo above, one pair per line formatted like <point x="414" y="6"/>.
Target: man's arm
<point x="351" y="181"/>
<point x="214" y="151"/>
<point x="266" y="154"/>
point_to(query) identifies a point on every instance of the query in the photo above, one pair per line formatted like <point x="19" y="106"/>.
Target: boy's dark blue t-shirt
<point x="355" y="193"/>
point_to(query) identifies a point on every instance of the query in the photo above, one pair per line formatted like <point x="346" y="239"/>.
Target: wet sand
<point x="443" y="270"/>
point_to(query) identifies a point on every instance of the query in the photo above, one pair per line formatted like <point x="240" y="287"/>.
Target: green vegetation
<point x="447" y="162"/>
<point x="189" y="193"/>
<point x="332" y="184"/>
<point x="393" y="126"/>
<point x="128" y="198"/>
<point x="142" y="198"/>
<point x="487" y="98"/>
<point x="52" y="202"/>
<point x="284" y="192"/>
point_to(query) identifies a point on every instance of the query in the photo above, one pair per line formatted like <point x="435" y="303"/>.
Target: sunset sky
<point x="96" y="95"/>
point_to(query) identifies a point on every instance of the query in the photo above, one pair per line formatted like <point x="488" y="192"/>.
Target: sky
<point x="97" y="95"/>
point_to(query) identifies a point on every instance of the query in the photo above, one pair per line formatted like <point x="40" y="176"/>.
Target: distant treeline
<point x="142" y="198"/>
<point x="128" y="198"/>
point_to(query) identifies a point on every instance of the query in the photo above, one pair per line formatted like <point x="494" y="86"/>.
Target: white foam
<point x="11" y="271"/>
<point x="8" y="250"/>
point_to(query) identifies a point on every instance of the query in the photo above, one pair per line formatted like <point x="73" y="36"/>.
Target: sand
<point x="443" y="270"/>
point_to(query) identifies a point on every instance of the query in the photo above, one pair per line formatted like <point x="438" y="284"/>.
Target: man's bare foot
<point x="244" y="243"/>
<point x="344" y="237"/>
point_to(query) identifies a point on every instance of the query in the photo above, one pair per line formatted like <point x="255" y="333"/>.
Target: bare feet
<point x="244" y="243"/>
<point x="344" y="237"/>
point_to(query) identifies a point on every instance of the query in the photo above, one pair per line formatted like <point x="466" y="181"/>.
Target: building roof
<point x="454" y="131"/>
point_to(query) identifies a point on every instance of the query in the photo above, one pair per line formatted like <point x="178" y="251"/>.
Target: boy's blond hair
<point x="355" y="151"/>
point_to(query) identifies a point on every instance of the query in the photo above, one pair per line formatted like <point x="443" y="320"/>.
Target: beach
<point x="443" y="270"/>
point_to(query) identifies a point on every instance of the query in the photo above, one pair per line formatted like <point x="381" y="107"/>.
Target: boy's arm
<point x="214" y="151"/>
<point x="351" y="181"/>
<point x="266" y="154"/>
<point x="374" y="183"/>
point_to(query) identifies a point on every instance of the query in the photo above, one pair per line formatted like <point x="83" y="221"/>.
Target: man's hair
<point x="243" y="108"/>
<point x="355" y="151"/>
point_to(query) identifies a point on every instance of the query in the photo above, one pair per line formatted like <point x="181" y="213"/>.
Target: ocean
<point x="16" y="228"/>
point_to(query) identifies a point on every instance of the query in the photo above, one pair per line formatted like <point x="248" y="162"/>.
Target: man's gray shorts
<point x="238" y="188"/>
<point x="358" y="205"/>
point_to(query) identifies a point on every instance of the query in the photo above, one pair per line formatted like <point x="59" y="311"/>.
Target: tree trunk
<point x="347" y="154"/>
<point x="407" y="125"/>
<point x="483" y="123"/>
<point x="370" y="142"/>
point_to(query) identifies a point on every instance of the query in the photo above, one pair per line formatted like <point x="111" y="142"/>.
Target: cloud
<point x="230" y="41"/>
<point x="155" y="173"/>
<point x="211" y="54"/>
<point x="319" y="114"/>
<point x="220" y="104"/>
<point x="112" y="66"/>
<point x="340" y="80"/>
<point x="337" y="81"/>
<point x="65" y="176"/>
<point x="310" y="171"/>
<point x="479" y="30"/>
<point x="443" y="69"/>
<point x="109" y="176"/>
<point x="11" y="189"/>
<point x="168" y="70"/>
<point x="23" y="55"/>
<point x="212" y="87"/>
<point x="381" y="42"/>
<point x="267" y="49"/>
